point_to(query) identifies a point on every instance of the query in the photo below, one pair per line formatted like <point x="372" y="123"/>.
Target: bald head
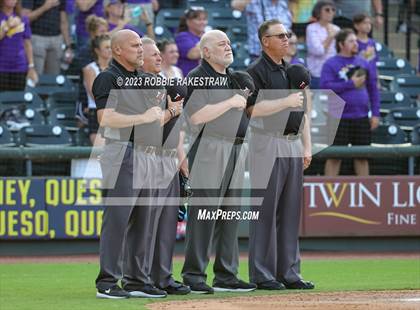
<point x="127" y="49"/>
<point x="210" y="38"/>
<point x="216" y="50"/>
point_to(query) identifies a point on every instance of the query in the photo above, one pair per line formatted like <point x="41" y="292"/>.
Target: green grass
<point x="71" y="286"/>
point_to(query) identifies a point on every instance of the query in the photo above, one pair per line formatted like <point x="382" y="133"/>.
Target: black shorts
<point x="93" y="124"/>
<point x="353" y="131"/>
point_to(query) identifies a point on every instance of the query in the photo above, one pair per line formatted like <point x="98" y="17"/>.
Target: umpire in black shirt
<point x="123" y="164"/>
<point x="277" y="160"/>
<point x="219" y="113"/>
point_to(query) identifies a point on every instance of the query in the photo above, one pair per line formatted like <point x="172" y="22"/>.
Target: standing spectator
<point x="137" y="7"/>
<point x="367" y="49"/>
<point x="292" y="51"/>
<point x="86" y="8"/>
<point x="101" y="49"/>
<point x="346" y="9"/>
<point x="16" y="58"/>
<point x="169" y="53"/>
<point x="191" y="28"/>
<point x="114" y="13"/>
<point x="258" y="11"/>
<point x="320" y="39"/>
<point x="355" y="81"/>
<point x="50" y="27"/>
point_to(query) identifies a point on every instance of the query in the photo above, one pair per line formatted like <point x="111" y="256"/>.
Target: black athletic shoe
<point x="114" y="292"/>
<point x="146" y="290"/>
<point x="299" y="285"/>
<point x="201" y="288"/>
<point x="271" y="285"/>
<point x="176" y="288"/>
<point x="240" y="286"/>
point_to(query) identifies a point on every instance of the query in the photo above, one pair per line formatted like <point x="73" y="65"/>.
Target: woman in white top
<point x="320" y="39"/>
<point x="101" y="49"/>
<point x="169" y="53"/>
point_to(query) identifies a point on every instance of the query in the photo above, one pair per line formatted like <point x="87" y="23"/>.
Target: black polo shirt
<point x="225" y="125"/>
<point x="48" y="24"/>
<point x="269" y="75"/>
<point x="109" y="92"/>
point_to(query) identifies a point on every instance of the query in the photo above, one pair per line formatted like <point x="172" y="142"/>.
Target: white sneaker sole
<point x="105" y="296"/>
<point x="140" y="294"/>
<point x="237" y="290"/>
<point x="200" y="292"/>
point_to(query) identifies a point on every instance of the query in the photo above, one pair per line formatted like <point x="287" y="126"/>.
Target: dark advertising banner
<point x="65" y="208"/>
<point x="53" y="208"/>
<point x="369" y="206"/>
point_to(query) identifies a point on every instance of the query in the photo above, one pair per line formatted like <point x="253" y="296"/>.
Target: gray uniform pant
<point x="215" y="160"/>
<point x="125" y="224"/>
<point x="273" y="241"/>
<point x="164" y="221"/>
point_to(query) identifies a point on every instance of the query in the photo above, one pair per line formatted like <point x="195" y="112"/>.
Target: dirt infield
<point x="93" y="258"/>
<point x="379" y="300"/>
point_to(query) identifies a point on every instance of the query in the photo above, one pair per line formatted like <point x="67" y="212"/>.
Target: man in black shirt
<point x="164" y="216"/>
<point x="49" y="25"/>
<point x="276" y="158"/>
<point x="217" y="164"/>
<point x="128" y="169"/>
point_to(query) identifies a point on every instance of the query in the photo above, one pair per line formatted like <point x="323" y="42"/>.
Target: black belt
<point x="289" y="137"/>
<point x="147" y="149"/>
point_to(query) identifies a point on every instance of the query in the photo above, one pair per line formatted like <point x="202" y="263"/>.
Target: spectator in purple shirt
<point x="320" y="39"/>
<point x="86" y="8"/>
<point x="114" y="13"/>
<point x="16" y="58"/>
<point x="367" y="46"/>
<point x="191" y="28"/>
<point x="355" y="81"/>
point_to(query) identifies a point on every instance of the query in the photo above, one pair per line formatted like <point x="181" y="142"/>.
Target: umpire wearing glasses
<point x="121" y="111"/>
<point x="276" y="154"/>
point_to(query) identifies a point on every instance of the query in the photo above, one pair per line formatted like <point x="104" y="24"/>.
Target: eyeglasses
<point x="328" y="9"/>
<point x="194" y="9"/>
<point x="281" y="36"/>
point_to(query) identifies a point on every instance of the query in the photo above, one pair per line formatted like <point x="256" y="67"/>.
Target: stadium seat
<point x="44" y="135"/>
<point x="64" y="116"/>
<point x="406" y="118"/>
<point x="391" y="67"/>
<point x="6" y="137"/>
<point x="238" y="35"/>
<point x="50" y="84"/>
<point x="410" y="84"/>
<point x="169" y="18"/>
<point x="82" y="137"/>
<point x="391" y="100"/>
<point x="223" y="18"/>
<point x="415" y="135"/>
<point x="383" y="51"/>
<point x="163" y="32"/>
<point x="15" y="98"/>
<point x="62" y="98"/>
<point x="209" y="4"/>
<point x="390" y="135"/>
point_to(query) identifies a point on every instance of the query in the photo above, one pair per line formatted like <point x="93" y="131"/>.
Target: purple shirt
<point x="333" y="76"/>
<point x="295" y="60"/>
<point x="367" y="50"/>
<point x="138" y="1"/>
<point x="112" y="26"/>
<point x="97" y="9"/>
<point x="186" y="41"/>
<point x="12" y="48"/>
<point x="70" y="5"/>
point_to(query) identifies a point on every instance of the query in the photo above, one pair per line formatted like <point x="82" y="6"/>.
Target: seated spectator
<point x="292" y="51"/>
<point x="136" y="8"/>
<point x="367" y="46"/>
<point x="355" y="81"/>
<point x="101" y="49"/>
<point x="86" y="8"/>
<point x="16" y="58"/>
<point x="49" y="27"/>
<point x="191" y="28"/>
<point x="114" y="13"/>
<point x="320" y="39"/>
<point x="258" y="11"/>
<point x="169" y="53"/>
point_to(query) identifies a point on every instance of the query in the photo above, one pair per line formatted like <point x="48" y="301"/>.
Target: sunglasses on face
<point x="329" y="10"/>
<point x="281" y="36"/>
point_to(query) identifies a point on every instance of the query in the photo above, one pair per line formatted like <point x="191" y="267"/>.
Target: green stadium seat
<point x="64" y="116"/>
<point x="169" y="18"/>
<point x="392" y="100"/>
<point x="406" y="118"/>
<point x="209" y="4"/>
<point x="391" y="67"/>
<point x="44" y="135"/>
<point x="6" y="137"/>
<point x="62" y="98"/>
<point x="15" y="98"/>
<point x="383" y="51"/>
<point x="410" y="84"/>
<point x="223" y="18"/>
<point x="415" y="135"/>
<point x="50" y="84"/>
